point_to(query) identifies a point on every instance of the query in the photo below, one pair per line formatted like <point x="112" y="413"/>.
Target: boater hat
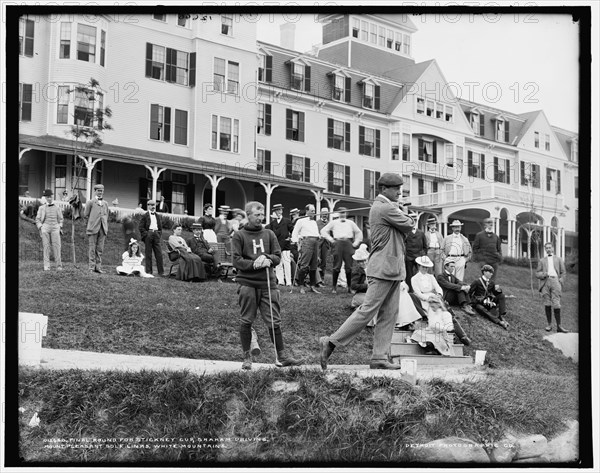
<point x="432" y="221"/>
<point x="424" y="261"/>
<point x="278" y="207"/>
<point x="456" y="223"/>
<point x="196" y="225"/>
<point x="294" y="211"/>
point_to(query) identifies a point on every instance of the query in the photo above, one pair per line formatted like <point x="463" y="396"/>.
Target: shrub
<point x="167" y="222"/>
<point x="572" y="261"/>
<point x="187" y="223"/>
<point x="522" y="262"/>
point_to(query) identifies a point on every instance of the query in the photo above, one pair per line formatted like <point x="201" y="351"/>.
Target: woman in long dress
<point x="191" y="267"/>
<point x="208" y="224"/>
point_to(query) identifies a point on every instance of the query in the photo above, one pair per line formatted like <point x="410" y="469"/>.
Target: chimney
<point x="287" y="32"/>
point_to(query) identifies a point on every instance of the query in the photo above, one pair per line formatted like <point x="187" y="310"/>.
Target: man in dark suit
<point x="455" y="292"/>
<point x="487" y="298"/>
<point x="202" y="248"/>
<point x="151" y="232"/>
<point x="416" y="245"/>
<point x="282" y="227"/>
<point x="163" y="208"/>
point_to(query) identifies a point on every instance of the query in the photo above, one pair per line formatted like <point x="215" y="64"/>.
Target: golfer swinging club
<point x="255" y="253"/>
<point x="385" y="270"/>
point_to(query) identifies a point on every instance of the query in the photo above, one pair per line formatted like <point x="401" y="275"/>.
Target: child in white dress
<point x="132" y="262"/>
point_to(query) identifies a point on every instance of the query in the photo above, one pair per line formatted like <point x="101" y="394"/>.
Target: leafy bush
<point x="521" y="262"/>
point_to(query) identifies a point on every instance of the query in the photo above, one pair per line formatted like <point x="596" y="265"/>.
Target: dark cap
<point x="390" y="179"/>
<point x="48" y="193"/>
<point x="197" y="225"/>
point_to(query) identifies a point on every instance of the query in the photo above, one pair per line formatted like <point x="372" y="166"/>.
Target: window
<point x="86" y="43"/>
<point x="574" y="156"/>
<point x="449" y="113"/>
<point x="477" y="123"/>
<point x="459" y="158"/>
<point x="371" y="97"/>
<point x="369" y="142"/>
<point x="398" y="43"/>
<point x="60" y="174"/>
<point x="427" y="151"/>
<point x="160" y="17"/>
<point x="181" y="118"/>
<point x="371" y="178"/>
<point x="499" y="130"/>
<point x="536" y="139"/>
<point x="338" y="135"/>
<point x="262" y="59"/>
<point x="65" y="41"/>
<point x="338" y="178"/>
<point x="364" y="31"/>
<point x="390" y="39"/>
<point x="25" y="99"/>
<point x="406" y="185"/>
<point x="373" y="33"/>
<point x="530" y="174"/>
<point x="157" y="62"/>
<point x="170" y="65"/>
<point x="395" y="142"/>
<point x="476" y="165"/>
<point x="297" y="76"/>
<point x="576" y="187"/>
<point x="421" y="184"/>
<point x="84" y="107"/>
<point x="553" y="180"/>
<point x="430" y="108"/>
<point x="26" y="33"/>
<point x="182" y="21"/>
<point x="225" y="134"/>
<point x="102" y="46"/>
<point x="263" y="125"/>
<point x="449" y="151"/>
<point x="501" y="170"/>
<point x="339" y="88"/>
<point x="227" y="25"/>
<point x="62" y="112"/>
<point x="355" y="27"/>
<point x="381" y="36"/>
<point x="547" y="143"/>
<point x="405" y="147"/>
<point x="228" y="69"/>
<point x="179" y="183"/>
<point x="294" y="125"/>
<point x="420" y="106"/>
<point x="407" y="44"/>
<point x="263" y="160"/>
<point x="297" y="168"/>
<point x="160" y="123"/>
<point x="439" y="111"/>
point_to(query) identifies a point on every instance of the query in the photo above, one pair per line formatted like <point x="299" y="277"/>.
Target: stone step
<point x="397" y="348"/>
<point x="432" y="360"/>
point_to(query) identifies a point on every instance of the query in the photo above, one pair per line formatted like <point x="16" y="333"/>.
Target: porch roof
<point x="125" y="154"/>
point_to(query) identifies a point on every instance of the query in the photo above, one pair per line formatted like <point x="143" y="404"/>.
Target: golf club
<point x="277" y="363"/>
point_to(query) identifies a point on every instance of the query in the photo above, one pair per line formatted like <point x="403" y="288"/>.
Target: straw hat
<point x="456" y="223"/>
<point x="424" y="261"/>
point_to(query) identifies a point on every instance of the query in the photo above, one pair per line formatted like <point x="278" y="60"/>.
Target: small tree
<point x="86" y="134"/>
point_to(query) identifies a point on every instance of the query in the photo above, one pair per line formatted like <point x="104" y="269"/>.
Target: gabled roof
<point x="529" y="118"/>
<point x="406" y="75"/>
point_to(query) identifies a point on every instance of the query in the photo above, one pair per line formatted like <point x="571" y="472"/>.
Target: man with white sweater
<point x="49" y="221"/>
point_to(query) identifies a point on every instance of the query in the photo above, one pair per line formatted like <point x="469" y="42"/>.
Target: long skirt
<point x="191" y="268"/>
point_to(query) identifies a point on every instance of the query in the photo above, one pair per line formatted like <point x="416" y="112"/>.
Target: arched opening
<point x="530" y="235"/>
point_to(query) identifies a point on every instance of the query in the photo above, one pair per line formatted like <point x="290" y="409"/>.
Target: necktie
<point x="151" y="213"/>
<point x="50" y="205"/>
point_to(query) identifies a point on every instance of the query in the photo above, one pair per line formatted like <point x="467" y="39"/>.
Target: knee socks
<point x="278" y="340"/>
<point x="557" y="316"/>
<point x="549" y="313"/>
<point x="349" y="279"/>
<point x="335" y="274"/>
<point x="245" y="336"/>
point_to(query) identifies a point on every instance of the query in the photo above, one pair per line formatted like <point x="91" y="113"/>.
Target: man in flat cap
<point x="487" y="246"/>
<point x="96" y="214"/>
<point x="385" y="270"/>
<point x="456" y="246"/>
<point x="434" y="245"/>
<point x="282" y="227"/>
<point x="49" y="221"/>
<point x="487" y="297"/>
<point x="151" y="233"/>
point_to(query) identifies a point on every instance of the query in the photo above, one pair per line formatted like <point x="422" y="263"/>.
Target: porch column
<point x="511" y="238"/>
<point x="561" y="234"/>
<point x="22" y="152"/>
<point x="155" y="175"/>
<point x="418" y="217"/>
<point x="496" y="225"/>
<point x="331" y="203"/>
<point x="269" y="188"/>
<point x="214" y="182"/>
<point x="318" y="198"/>
<point x="443" y="228"/>
<point x="90" y="163"/>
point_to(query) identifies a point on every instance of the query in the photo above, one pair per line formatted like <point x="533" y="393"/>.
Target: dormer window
<point x="477" y="122"/>
<point x="398" y="44"/>
<point x="390" y="39"/>
<point x="499" y="130"/>
<point x="341" y="84"/>
<point x="371" y="94"/>
<point x="265" y="67"/>
<point x="299" y="75"/>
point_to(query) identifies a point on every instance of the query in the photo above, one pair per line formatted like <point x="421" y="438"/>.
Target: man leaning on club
<point x="385" y="270"/>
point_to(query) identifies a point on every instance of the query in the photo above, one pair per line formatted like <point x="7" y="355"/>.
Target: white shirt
<point x="342" y="229"/>
<point x="433" y="240"/>
<point x="305" y="227"/>
<point x="456" y="244"/>
<point x="153" y="224"/>
<point x="551" y="268"/>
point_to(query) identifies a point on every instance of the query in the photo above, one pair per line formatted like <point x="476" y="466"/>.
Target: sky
<point x="517" y="62"/>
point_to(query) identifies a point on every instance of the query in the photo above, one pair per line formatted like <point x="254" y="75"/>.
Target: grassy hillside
<point x="165" y="317"/>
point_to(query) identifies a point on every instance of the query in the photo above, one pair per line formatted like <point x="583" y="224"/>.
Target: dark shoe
<point x="468" y="309"/>
<point x="561" y="330"/>
<point x="100" y="271"/>
<point x="548" y="328"/>
<point x="247" y="364"/>
<point x="314" y="289"/>
<point x="286" y="360"/>
<point x="465" y="341"/>
<point x="320" y="285"/>
<point x="325" y="351"/>
<point x="383" y="365"/>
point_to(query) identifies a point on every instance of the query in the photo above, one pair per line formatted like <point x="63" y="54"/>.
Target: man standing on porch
<point x="96" y="214"/>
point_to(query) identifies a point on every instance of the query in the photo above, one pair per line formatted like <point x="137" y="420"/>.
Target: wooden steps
<point x="400" y="349"/>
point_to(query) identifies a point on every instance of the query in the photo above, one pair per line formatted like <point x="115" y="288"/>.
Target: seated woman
<point x="132" y="261"/>
<point x="427" y="290"/>
<point x="191" y="267"/>
<point x="435" y="336"/>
